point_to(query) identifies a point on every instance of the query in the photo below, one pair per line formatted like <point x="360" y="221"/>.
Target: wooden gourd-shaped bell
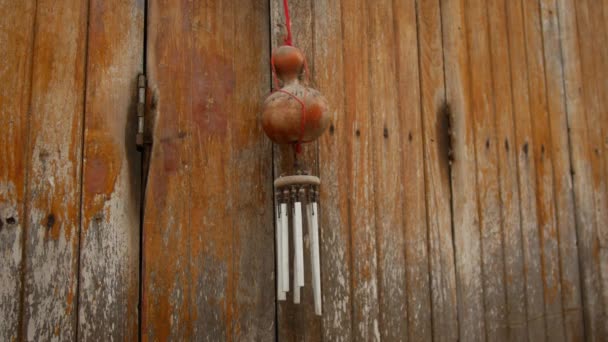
<point x="295" y="114"/>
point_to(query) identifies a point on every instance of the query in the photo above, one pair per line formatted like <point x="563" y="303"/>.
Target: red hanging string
<point x="287" y="23"/>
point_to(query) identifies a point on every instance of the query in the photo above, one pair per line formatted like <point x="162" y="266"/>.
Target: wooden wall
<point x="69" y="171"/>
<point x="465" y="171"/>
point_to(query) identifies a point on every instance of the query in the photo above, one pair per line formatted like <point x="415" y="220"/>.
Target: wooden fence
<point x="465" y="171"/>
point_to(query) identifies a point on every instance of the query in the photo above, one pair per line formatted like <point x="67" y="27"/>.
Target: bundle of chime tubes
<point x="293" y="193"/>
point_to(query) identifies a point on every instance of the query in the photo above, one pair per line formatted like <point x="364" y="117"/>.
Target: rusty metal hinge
<point x="141" y="110"/>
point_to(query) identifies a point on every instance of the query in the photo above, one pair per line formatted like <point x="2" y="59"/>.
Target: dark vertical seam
<point x="425" y="181"/>
<point x="21" y="322"/>
<point x="571" y="158"/>
<point x="81" y="171"/>
<point x="450" y="178"/>
<point x="142" y="195"/>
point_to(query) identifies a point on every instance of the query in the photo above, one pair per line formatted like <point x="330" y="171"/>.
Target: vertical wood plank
<point x="465" y="206"/>
<point x="417" y="286"/>
<point x="16" y="38"/>
<point x="508" y="178"/>
<point x="209" y="200"/>
<point x="592" y="62"/>
<point x="250" y="166"/>
<point x="109" y="247"/>
<point x="364" y="279"/>
<point x="166" y="302"/>
<point x="582" y="170"/>
<point x="564" y="203"/>
<point x="53" y="201"/>
<point x="333" y="170"/>
<point x="212" y="220"/>
<point x="487" y="168"/>
<point x="526" y="171"/>
<point x="599" y="50"/>
<point x="297" y="321"/>
<point x="543" y="153"/>
<point x="435" y="136"/>
<point x="386" y="139"/>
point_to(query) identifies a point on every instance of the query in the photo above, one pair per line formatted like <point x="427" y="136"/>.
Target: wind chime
<point x="295" y="114"/>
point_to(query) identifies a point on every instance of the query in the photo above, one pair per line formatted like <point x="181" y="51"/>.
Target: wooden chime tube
<point x="284" y="261"/>
<point x="279" y="245"/>
<point x="313" y="226"/>
<point x="298" y="244"/>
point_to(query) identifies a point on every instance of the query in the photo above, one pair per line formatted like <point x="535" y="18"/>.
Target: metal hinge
<point x="141" y="110"/>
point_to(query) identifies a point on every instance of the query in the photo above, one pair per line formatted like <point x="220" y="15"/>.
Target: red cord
<point x="287" y="23"/>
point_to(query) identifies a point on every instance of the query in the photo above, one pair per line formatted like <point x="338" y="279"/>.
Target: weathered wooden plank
<point x="564" y="203"/>
<point x="364" y="279"/>
<point x="16" y="38"/>
<point x="297" y="321"/>
<point x="109" y="246"/>
<point x="435" y="135"/>
<point x="592" y="56"/>
<point x="166" y="293"/>
<point x="543" y="153"/>
<point x="215" y="284"/>
<point x="507" y="159"/>
<point x="582" y="172"/>
<point x="386" y="139"/>
<point x="417" y="286"/>
<point x="250" y="166"/>
<point x="487" y="168"/>
<point x="54" y="169"/>
<point x="526" y="170"/>
<point x="334" y="171"/>
<point x="600" y="51"/>
<point x="465" y="204"/>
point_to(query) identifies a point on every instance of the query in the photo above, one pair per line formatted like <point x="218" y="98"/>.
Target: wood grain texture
<point x="16" y="41"/>
<point x="526" y="172"/>
<point x="166" y="302"/>
<point x="417" y="270"/>
<point x="468" y="257"/>
<point x="543" y="153"/>
<point x="437" y="155"/>
<point x="387" y="140"/>
<point x="582" y="172"/>
<point x="109" y="246"/>
<point x="333" y="170"/>
<point x="202" y="206"/>
<point x="364" y="278"/>
<point x="54" y="169"/>
<point x="591" y="58"/>
<point x="562" y="178"/>
<point x="487" y="167"/>
<point x="514" y="280"/>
